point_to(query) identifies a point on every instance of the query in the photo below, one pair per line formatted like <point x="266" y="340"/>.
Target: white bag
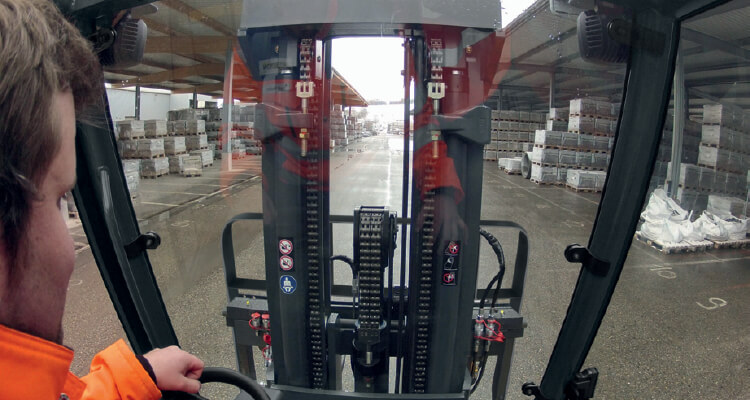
<point x="711" y="228"/>
<point x="661" y="207"/>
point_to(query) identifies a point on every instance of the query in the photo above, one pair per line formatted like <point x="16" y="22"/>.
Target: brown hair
<point x="41" y="53"/>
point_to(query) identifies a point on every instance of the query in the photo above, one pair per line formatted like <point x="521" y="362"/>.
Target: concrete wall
<point x="154" y="104"/>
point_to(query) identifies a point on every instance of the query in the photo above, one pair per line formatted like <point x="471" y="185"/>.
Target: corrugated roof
<point x="538" y="43"/>
<point x="714" y="45"/>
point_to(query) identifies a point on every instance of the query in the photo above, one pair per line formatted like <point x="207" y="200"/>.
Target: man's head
<point x="47" y="73"/>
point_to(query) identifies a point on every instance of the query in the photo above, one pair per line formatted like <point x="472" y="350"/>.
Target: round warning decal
<point x="288" y="284"/>
<point x="285" y="246"/>
<point x="453" y="248"/>
<point x="286" y="263"/>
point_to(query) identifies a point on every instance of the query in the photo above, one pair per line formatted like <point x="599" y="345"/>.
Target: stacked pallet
<point x="353" y="128"/>
<point x="586" y="181"/>
<point x="155" y="128"/>
<point x="589" y="138"/>
<point x="132" y="171"/>
<point x="557" y="119"/>
<point x="511" y="166"/>
<point x="177" y="163"/>
<point x="339" y="134"/>
<point x="142" y="141"/>
<point x="130" y="129"/>
<point x="206" y="155"/>
<point x="192" y="166"/>
<point x="512" y="133"/>
<point x="174" y="145"/>
<point x="720" y="161"/>
<point x="725" y="141"/>
<point x="154" y="167"/>
<point x="556" y="153"/>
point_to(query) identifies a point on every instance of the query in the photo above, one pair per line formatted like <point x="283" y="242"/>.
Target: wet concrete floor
<point x="678" y="326"/>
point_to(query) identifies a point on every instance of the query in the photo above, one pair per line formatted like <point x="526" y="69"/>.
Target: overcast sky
<point x="373" y="65"/>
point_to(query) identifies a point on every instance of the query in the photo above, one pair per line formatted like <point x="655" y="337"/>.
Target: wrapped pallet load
<point x="586" y="180"/>
<point x="130" y="129"/>
<point x="174" y="145"/>
<point x="197" y="142"/>
<point x="155" y="128"/>
<point x="207" y="156"/>
<point x="545" y="155"/>
<point x="150" y="148"/>
<point x="192" y="166"/>
<point x="195" y="127"/>
<point x="178" y="128"/>
<point x="513" y="165"/>
<point x="155" y="167"/>
<point x="177" y="163"/>
<point x="548" y="138"/>
<point x="543" y="174"/>
<point x="128" y="148"/>
<point x="132" y="171"/>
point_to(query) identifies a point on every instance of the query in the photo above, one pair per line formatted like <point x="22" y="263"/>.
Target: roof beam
<point x="169" y="31"/>
<point x="206" y="88"/>
<point x="714" y="43"/>
<point x="178" y="73"/>
<point x="158" y="26"/>
<point x="186" y="44"/>
<point x="556" y="40"/>
<point x="714" y="67"/>
<point x="193" y="13"/>
<point x="719" y="80"/>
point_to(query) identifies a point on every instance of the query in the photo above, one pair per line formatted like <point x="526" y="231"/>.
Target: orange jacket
<point x="33" y="368"/>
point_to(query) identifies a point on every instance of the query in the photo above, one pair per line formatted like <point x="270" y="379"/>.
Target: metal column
<point x="226" y="136"/>
<point x="680" y="113"/>
<point x="552" y="89"/>
<point x="137" y="101"/>
<point x="195" y="98"/>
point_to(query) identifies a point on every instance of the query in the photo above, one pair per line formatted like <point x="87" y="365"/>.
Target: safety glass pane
<point x="367" y="147"/>
<point x="679" y="308"/>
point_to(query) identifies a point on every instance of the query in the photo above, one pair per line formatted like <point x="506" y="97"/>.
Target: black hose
<point x="231" y="377"/>
<point x="487" y="290"/>
<point x="483" y="363"/>
<point x="498" y="249"/>
<point x="346" y="260"/>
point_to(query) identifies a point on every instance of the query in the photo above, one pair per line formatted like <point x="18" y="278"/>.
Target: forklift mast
<point x="428" y="323"/>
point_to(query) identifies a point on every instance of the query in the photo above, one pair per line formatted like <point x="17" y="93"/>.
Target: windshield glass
<point x="366" y="144"/>
<point x="681" y="300"/>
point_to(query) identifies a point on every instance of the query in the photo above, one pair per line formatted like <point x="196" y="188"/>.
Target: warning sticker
<point x="286" y="263"/>
<point x="449" y="278"/>
<point x="451" y="263"/>
<point x="285" y="246"/>
<point x="452" y="248"/>
<point x="288" y="284"/>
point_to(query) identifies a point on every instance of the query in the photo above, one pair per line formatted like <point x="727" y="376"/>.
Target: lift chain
<point x="313" y="233"/>
<point x="371" y="258"/>
<point x="427" y="244"/>
<point x="424" y="295"/>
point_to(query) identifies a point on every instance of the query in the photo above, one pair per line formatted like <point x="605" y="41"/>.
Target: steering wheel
<point x="228" y="376"/>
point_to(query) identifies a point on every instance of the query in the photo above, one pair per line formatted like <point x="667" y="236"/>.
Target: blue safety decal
<point x="288" y="284"/>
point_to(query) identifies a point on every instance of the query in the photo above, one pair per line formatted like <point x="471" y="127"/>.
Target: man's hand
<point x="175" y="369"/>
